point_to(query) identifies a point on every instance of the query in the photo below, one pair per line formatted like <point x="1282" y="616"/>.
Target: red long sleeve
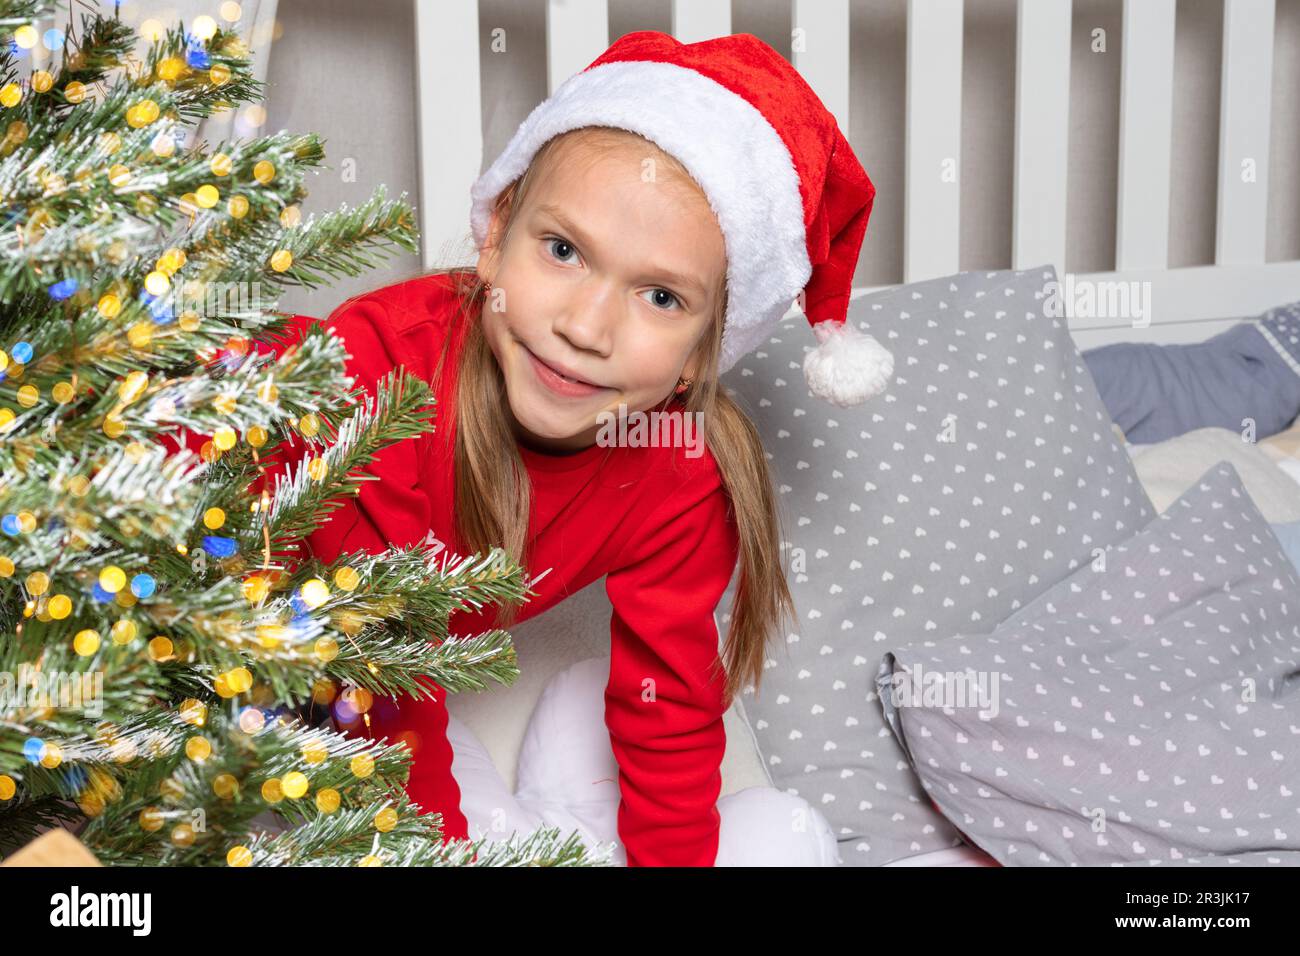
<point x="668" y="737"/>
<point x="393" y="511"/>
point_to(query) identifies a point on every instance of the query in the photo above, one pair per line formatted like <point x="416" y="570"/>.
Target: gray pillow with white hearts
<point x="987" y="472"/>
<point x="1143" y="711"/>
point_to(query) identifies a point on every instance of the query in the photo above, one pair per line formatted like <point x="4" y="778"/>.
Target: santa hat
<point x="791" y="198"/>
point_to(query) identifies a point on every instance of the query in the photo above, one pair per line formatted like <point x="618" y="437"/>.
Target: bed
<point x="941" y="74"/>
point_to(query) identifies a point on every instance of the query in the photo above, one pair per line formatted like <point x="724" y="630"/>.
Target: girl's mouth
<point x="560" y="384"/>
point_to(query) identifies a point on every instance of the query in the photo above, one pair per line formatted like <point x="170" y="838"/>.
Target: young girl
<point x="646" y="226"/>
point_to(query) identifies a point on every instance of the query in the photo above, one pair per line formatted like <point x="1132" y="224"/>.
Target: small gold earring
<point x="682" y="385"/>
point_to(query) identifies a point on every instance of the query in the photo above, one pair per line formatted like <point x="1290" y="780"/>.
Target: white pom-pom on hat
<point x="848" y="366"/>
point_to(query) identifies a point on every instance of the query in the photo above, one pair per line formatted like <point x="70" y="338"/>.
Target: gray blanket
<point x="1144" y="710"/>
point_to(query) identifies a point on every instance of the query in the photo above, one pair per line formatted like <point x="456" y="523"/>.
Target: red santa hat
<point x="790" y="196"/>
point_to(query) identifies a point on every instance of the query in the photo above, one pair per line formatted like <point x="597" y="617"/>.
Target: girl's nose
<point x="587" y="320"/>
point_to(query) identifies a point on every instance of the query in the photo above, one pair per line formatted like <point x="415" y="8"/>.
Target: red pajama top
<point x="653" y="520"/>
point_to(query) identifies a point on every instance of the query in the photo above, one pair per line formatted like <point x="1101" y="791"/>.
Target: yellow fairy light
<point x="295" y="784"/>
<point x="264" y="171"/>
<point x="42" y="81"/>
<point x="183" y="834"/>
<point x="225" y="403"/>
<point x="209" y="452"/>
<point x="281" y="260"/>
<point x="327" y="800"/>
<point x="75" y="92"/>
<point x="326" y="649"/>
<point x="8" y="788"/>
<point x="221" y="164"/>
<point x="370" y="860"/>
<point x="86" y="642"/>
<point x="193" y="711"/>
<point x="362" y="765"/>
<point x="11" y="94"/>
<point x="309" y="424"/>
<point x="315" y="593"/>
<point x="109" y="305"/>
<point x="60" y="606"/>
<point x="256" y="588"/>
<point x="137" y="452"/>
<point x="4" y="359"/>
<point x="314" y="752"/>
<point x="203" y="27"/>
<point x="119" y="175"/>
<point x="161" y="648"/>
<point x="139" y="335"/>
<point x="237" y="206"/>
<point x="38" y="582"/>
<point x="256" y="436"/>
<point x="157" y="283"/>
<point x="123" y="631"/>
<point x="151" y="819"/>
<point x="225" y="438"/>
<point x="51" y="755"/>
<point x="26" y="520"/>
<point x="219" y="74"/>
<point x="171" y="68"/>
<point x="225" y="786"/>
<point x="207" y="196"/>
<point x="214" y="518"/>
<point x="347" y="578"/>
<point x="317" y="469"/>
<point x="113" y="426"/>
<point x="240" y="678"/>
<point x="16" y="132"/>
<point x="28" y="396"/>
<point x="198" y="749"/>
<point x="63" y="392"/>
<point x="231" y="11"/>
<point x="386" y="820"/>
<point x="189" y="320"/>
<point x="291" y="216"/>
<point x="6" y="568"/>
<point x="112" y="579"/>
<point x="359" y="699"/>
<point x="323" y="691"/>
<point x="6" y="419"/>
<point x="268" y="392"/>
<point x="163" y="145"/>
<point x="170" y="262"/>
<point x="239" y="856"/>
<point x="272" y="792"/>
<point x="270" y="635"/>
<point x="132" y="386"/>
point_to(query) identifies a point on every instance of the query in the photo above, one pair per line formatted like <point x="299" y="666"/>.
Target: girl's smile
<point x="553" y="378"/>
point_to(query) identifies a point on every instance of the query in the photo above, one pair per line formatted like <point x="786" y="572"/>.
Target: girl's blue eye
<point x="552" y="244"/>
<point x="672" y="299"/>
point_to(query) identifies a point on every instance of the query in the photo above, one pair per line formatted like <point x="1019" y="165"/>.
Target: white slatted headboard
<point x="1185" y="304"/>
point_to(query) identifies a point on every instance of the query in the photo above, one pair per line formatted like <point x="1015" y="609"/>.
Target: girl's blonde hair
<point x="493" y="499"/>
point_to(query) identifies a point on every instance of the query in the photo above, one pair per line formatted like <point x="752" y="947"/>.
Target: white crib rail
<point x="1187" y="303"/>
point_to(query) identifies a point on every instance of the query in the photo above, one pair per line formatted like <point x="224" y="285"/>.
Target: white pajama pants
<point x="568" y="778"/>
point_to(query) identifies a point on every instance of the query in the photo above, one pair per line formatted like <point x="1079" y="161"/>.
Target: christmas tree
<point x="161" y="624"/>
